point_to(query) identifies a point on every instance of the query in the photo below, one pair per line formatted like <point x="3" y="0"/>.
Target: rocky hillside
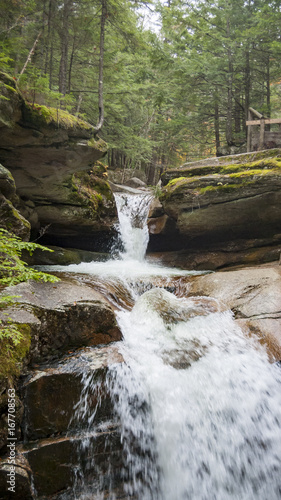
<point x="43" y="148"/>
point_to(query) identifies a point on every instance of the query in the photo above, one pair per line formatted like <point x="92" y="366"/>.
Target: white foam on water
<point x="216" y="422"/>
<point x="198" y="402"/>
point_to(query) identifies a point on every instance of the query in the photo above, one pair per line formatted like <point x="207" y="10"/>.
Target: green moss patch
<point x="226" y="188"/>
<point x="223" y="177"/>
<point x="176" y="185"/>
<point x="263" y="160"/>
<point x="43" y="115"/>
<point x="99" y="144"/>
<point x="92" y="190"/>
<point x="264" y="165"/>
<point x="250" y="173"/>
<point x="13" y="349"/>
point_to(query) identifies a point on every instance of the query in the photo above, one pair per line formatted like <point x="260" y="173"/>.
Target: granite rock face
<point x="222" y="208"/>
<point x="10" y="217"/>
<point x="43" y="148"/>
<point x="254" y="296"/>
<point x="62" y="316"/>
<point x="63" y="434"/>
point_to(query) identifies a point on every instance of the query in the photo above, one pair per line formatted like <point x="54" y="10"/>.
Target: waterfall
<point x="132" y="214"/>
<point x="214" y="403"/>
<point x="196" y="403"/>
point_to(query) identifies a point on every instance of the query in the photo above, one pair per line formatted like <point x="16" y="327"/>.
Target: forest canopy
<point x="172" y="91"/>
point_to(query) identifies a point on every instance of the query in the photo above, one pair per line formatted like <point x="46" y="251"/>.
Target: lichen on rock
<point x="43" y="148"/>
<point x="216" y="203"/>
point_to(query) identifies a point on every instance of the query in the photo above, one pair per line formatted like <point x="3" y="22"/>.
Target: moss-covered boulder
<point x="10" y="217"/>
<point x="82" y="213"/>
<point x="61" y="316"/>
<point x="225" y="207"/>
<point x="43" y="148"/>
<point x="10" y="102"/>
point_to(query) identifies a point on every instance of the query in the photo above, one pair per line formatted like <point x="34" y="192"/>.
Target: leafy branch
<point x="15" y="338"/>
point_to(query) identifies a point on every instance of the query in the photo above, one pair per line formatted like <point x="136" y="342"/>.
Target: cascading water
<point x="196" y="402"/>
<point x="215" y="404"/>
<point x="132" y="215"/>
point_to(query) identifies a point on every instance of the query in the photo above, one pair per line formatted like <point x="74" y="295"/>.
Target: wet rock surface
<point x="254" y="295"/>
<point x="66" y="443"/>
<point x="54" y="462"/>
<point x="212" y="258"/>
<point x="22" y="470"/>
<point x="62" y="316"/>
<point x="173" y="310"/>
<point x="50" y="408"/>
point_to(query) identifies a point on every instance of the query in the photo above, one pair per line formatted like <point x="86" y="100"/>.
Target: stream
<point x="196" y="402"/>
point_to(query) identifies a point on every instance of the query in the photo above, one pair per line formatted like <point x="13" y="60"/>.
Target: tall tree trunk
<point x="102" y="31"/>
<point x="71" y="64"/>
<point x="43" y="39"/>
<point x="228" y="132"/>
<point x="268" y="105"/>
<point x="217" y="127"/>
<point x="64" y="47"/>
<point x="237" y="110"/>
<point x="49" y="36"/>
<point x="247" y="86"/>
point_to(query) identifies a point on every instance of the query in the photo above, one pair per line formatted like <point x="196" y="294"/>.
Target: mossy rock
<point x="40" y="116"/>
<point x="260" y="159"/>
<point x="93" y="191"/>
<point x="224" y="178"/>
<point x="7" y="183"/>
<point x="12" y="355"/>
<point x="12" y="220"/>
<point x="10" y="101"/>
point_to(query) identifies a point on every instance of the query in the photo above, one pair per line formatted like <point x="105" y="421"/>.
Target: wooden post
<point x="262" y="129"/>
<point x="249" y="133"/>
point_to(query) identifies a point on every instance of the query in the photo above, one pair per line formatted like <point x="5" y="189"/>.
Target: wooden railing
<point x="261" y="121"/>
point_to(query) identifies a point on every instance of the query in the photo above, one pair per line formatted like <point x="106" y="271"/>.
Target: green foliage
<point x="12" y="269"/>
<point x="4" y="61"/>
<point x="62" y="119"/>
<point x="35" y="87"/>
<point x="157" y="191"/>
<point x="14" y="345"/>
<point x="170" y="96"/>
<point x="14" y="338"/>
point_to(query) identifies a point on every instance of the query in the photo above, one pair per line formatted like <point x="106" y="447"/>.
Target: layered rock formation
<point x="43" y="148"/>
<point x="254" y="296"/>
<point x="11" y="218"/>
<point x="57" y="438"/>
<point x="54" y="319"/>
<point x="220" y="212"/>
<point x="62" y="316"/>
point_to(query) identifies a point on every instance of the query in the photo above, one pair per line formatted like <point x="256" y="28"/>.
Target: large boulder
<point x="43" y="148"/>
<point x="10" y="217"/>
<point x="50" y="409"/>
<point x="134" y="182"/>
<point x="62" y="316"/>
<point x="254" y="295"/>
<point x="68" y="425"/>
<point x="221" y="208"/>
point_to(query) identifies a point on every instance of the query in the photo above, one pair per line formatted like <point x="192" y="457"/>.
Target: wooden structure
<point x="263" y="139"/>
